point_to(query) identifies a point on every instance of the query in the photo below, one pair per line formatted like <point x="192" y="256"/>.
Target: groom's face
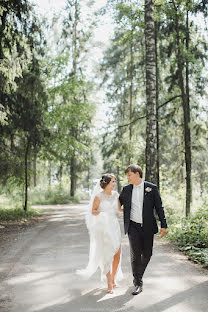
<point x="133" y="177"/>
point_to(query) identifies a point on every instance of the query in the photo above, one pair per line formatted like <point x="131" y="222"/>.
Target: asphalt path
<point x="37" y="272"/>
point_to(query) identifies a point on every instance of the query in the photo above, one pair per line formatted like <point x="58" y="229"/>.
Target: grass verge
<point x="17" y="214"/>
<point x="53" y="196"/>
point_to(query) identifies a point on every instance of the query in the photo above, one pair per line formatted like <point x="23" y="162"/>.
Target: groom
<point x="140" y="199"/>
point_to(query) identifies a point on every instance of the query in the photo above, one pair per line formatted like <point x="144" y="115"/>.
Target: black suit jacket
<point x="152" y="202"/>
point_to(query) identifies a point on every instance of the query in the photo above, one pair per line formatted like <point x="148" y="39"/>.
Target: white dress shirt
<point x="137" y="202"/>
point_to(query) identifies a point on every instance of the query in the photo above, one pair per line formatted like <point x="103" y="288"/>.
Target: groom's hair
<point x="134" y="169"/>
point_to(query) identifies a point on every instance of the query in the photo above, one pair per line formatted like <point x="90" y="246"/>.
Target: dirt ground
<point x="39" y="259"/>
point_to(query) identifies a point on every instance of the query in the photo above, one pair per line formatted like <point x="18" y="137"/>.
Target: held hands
<point x="163" y="232"/>
<point x="95" y="212"/>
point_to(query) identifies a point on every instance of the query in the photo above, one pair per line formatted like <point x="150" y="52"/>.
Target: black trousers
<point x="140" y="250"/>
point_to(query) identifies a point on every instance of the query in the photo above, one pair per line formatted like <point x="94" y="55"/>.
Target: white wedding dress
<point x="105" y="237"/>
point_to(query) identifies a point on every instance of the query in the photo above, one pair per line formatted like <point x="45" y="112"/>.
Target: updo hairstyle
<point x="105" y="180"/>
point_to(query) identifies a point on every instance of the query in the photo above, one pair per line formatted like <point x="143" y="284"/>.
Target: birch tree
<point x="151" y="109"/>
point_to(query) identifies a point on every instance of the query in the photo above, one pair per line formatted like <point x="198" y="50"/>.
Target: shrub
<point x="17" y="214"/>
<point x="52" y="196"/>
<point x="191" y="235"/>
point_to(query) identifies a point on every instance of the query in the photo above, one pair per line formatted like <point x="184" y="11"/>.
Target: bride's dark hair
<point x="105" y="180"/>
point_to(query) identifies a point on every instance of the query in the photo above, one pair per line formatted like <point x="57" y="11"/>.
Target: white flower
<point x="148" y="189"/>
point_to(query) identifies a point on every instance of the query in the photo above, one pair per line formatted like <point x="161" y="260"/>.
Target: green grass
<point x="52" y="196"/>
<point x="6" y="202"/>
<point x="17" y="214"/>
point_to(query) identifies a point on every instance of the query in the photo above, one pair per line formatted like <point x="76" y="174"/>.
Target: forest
<point x="149" y="87"/>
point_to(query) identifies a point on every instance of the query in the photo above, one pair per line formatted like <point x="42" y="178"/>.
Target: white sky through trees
<point x="102" y="33"/>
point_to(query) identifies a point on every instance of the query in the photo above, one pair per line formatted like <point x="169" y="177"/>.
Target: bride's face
<point x="111" y="185"/>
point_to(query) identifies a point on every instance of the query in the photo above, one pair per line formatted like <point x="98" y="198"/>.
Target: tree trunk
<point x="73" y="176"/>
<point x="157" y="104"/>
<point x="29" y="170"/>
<point x="35" y="169"/>
<point x="49" y="173"/>
<point x="26" y="173"/>
<point x="60" y="173"/>
<point x="187" y="122"/>
<point x="130" y="93"/>
<point x="118" y="180"/>
<point x="2" y="27"/>
<point x="74" y="71"/>
<point x="88" y="178"/>
<point x="74" y="52"/>
<point x="201" y="179"/>
<point x="151" y="123"/>
<point x="186" y="112"/>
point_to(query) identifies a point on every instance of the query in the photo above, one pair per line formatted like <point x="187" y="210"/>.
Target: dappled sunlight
<point x="28" y="278"/>
<point x="44" y="280"/>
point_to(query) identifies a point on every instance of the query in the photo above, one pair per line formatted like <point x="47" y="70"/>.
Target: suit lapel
<point x="145" y="185"/>
<point x="130" y="191"/>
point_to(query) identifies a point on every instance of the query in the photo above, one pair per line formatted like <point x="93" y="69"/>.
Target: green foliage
<point x="69" y="117"/>
<point x="198" y="255"/>
<point x="11" y="196"/>
<point x="52" y="196"/>
<point x="23" y="95"/>
<point x="15" y="52"/>
<point x="17" y="214"/>
<point x="70" y="113"/>
<point x="191" y="235"/>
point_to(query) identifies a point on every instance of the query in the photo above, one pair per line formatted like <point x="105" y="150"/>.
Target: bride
<point x="104" y="232"/>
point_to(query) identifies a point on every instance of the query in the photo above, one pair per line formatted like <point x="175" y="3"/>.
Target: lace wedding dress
<point x="105" y="237"/>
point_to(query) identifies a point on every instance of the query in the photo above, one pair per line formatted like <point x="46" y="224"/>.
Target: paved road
<point x="38" y="273"/>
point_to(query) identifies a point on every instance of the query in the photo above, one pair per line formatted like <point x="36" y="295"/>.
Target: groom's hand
<point x="163" y="232"/>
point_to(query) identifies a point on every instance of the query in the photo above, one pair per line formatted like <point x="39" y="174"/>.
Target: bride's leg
<point x="110" y="286"/>
<point x="115" y="264"/>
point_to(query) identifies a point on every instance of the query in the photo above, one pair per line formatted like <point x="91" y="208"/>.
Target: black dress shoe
<point x="138" y="289"/>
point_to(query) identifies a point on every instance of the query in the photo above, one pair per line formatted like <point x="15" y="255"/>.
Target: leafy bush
<point x="173" y="212"/>
<point x="198" y="255"/>
<point x="52" y="196"/>
<point x="11" y="199"/>
<point x="191" y="235"/>
<point x="17" y="214"/>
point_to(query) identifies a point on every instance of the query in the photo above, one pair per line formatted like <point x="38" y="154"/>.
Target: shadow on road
<point x="92" y="301"/>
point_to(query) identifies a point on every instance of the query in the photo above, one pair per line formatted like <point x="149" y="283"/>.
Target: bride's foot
<point x="110" y="285"/>
<point x="110" y="288"/>
<point x="113" y="282"/>
<point x="110" y="291"/>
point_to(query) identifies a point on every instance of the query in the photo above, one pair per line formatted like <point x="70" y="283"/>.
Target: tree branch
<point x="141" y="117"/>
<point x="168" y="101"/>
